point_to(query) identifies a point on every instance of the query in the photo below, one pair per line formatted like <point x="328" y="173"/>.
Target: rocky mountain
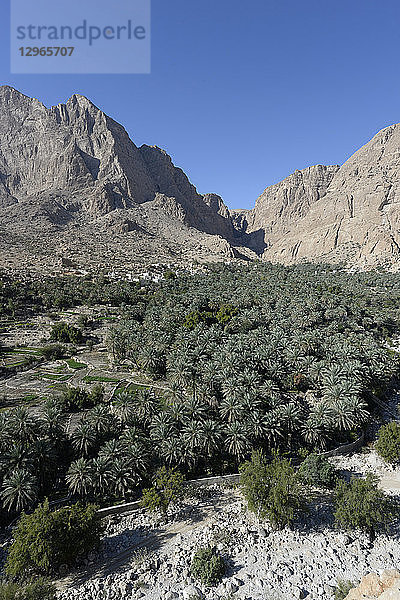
<point x="74" y="186"/>
<point x="349" y="213"/>
<point x="72" y="183"/>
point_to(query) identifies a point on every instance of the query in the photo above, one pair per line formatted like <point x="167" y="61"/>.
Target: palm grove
<point x="243" y="358"/>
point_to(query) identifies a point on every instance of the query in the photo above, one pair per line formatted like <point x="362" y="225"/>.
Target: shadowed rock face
<point x="73" y="170"/>
<point x="281" y="206"/>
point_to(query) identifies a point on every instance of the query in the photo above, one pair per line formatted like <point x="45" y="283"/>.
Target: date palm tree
<point x="101" y="476"/>
<point x="231" y="408"/>
<point x="124" y="407"/>
<point x="291" y="418"/>
<point x="193" y="408"/>
<point x="19" y="490"/>
<point x="273" y="427"/>
<point x="101" y="420"/>
<point x="162" y="427"/>
<point x="192" y="434"/>
<point x="124" y="479"/>
<point x="170" y="450"/>
<point x="16" y="456"/>
<point x="24" y="426"/>
<point x="211" y="437"/>
<point x="314" y="434"/>
<point x="111" y="450"/>
<point x="45" y="459"/>
<point x="256" y="426"/>
<point x="236" y="441"/>
<point x="84" y="438"/>
<point x="342" y="416"/>
<point x="146" y="405"/>
<point x="53" y="420"/>
<point x="133" y="434"/>
<point x="137" y="455"/>
<point x="80" y="477"/>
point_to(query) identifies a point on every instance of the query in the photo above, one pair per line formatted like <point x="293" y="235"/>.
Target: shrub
<point x="387" y="444"/>
<point x="225" y="313"/>
<point x="361" y="505"/>
<point x="96" y="396"/>
<point x="53" y="351"/>
<point x="62" y="332"/>
<point x="75" y="399"/>
<point x="168" y="274"/>
<point x="167" y="490"/>
<point x="208" y="566"/>
<point x="45" y="540"/>
<point x="342" y="589"/>
<point x="317" y="471"/>
<point x="84" y="321"/>
<point x="272" y="490"/>
<point x="37" y="589"/>
<point x="78" y="398"/>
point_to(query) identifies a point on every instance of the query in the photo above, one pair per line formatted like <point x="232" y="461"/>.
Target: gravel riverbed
<point x="146" y="558"/>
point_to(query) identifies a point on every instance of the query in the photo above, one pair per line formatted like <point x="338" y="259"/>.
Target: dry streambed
<point x="143" y="558"/>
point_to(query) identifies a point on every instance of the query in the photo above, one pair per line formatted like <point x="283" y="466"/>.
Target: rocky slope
<point x="150" y="559"/>
<point x="280" y="207"/>
<point x="74" y="185"/>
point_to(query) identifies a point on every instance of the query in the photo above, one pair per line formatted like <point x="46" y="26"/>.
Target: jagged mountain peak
<point x="70" y="165"/>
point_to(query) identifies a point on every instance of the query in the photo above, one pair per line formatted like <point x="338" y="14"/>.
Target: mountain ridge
<point x="72" y="171"/>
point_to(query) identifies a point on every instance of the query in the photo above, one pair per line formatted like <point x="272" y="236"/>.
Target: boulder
<point x="372" y="586"/>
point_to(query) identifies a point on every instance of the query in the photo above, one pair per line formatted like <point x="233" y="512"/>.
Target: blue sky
<point x="243" y="93"/>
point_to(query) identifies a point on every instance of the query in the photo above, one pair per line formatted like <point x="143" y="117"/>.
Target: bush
<point x="342" y="589"/>
<point x="225" y="313"/>
<point x="96" y="396"/>
<point x="361" y="505"/>
<point x="272" y="490"/>
<point x="38" y="589"/>
<point x="208" y="566"/>
<point x="168" y="274"/>
<point x="45" y="540"/>
<point x="317" y="471"/>
<point x="75" y="399"/>
<point x="78" y="398"/>
<point x="167" y="490"/>
<point x="387" y="444"/>
<point x="53" y="351"/>
<point x="62" y="332"/>
<point x="84" y="321"/>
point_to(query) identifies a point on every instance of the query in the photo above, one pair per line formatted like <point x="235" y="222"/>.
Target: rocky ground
<point x="149" y="559"/>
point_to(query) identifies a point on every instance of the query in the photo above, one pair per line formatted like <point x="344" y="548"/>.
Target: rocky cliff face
<point x="329" y="213"/>
<point x="385" y="586"/>
<point x="280" y="207"/>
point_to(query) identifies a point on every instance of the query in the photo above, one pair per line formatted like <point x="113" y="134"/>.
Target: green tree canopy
<point x="272" y="489"/>
<point x="167" y="490"/>
<point x="387" y="444"/>
<point x="46" y="539"/>
<point x="360" y="504"/>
